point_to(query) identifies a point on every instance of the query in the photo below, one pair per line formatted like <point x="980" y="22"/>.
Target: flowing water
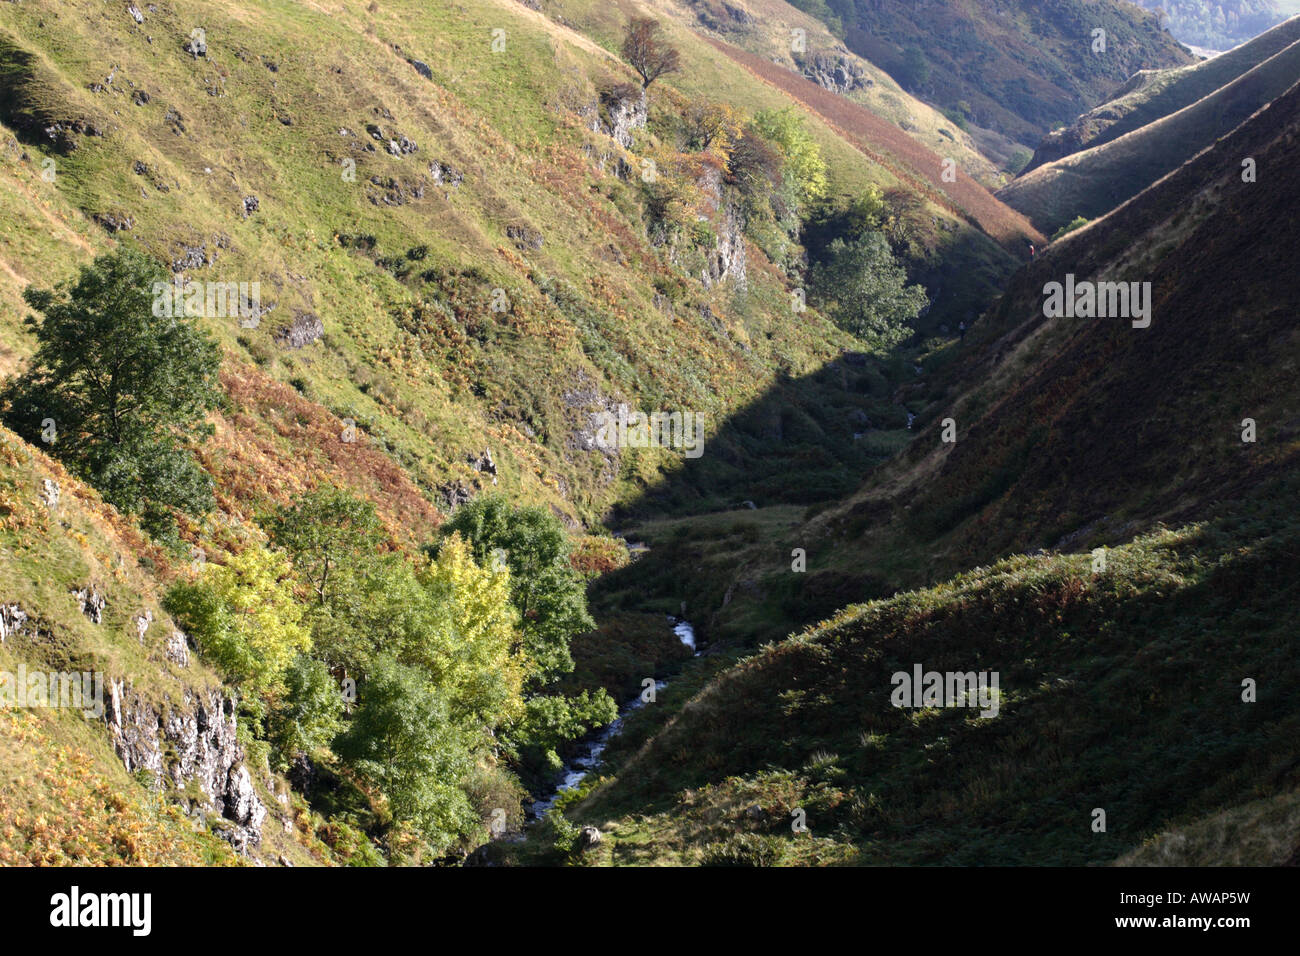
<point x="588" y="757"/>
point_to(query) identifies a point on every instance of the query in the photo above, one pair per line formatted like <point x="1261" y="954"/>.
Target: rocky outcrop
<point x="177" y="649"/>
<point x="588" y="838"/>
<point x="727" y="262"/>
<point x="91" y="603"/>
<point x="835" y="73"/>
<point x="484" y="464"/>
<point x="193" y="742"/>
<point x="12" y="620"/>
<point x="622" y="109"/>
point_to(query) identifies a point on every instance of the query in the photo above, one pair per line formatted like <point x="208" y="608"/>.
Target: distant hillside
<point x="1019" y="67"/>
<point x="1092" y="182"/>
<point x="769" y="28"/>
<point x="1215" y="24"/>
<point x="1153" y="94"/>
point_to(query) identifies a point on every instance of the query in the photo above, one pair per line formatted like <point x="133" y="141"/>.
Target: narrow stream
<point x="588" y="757"/>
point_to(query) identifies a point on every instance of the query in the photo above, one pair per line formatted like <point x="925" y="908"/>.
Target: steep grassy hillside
<point x="1118" y="690"/>
<point x="80" y="589"/>
<point x="1070" y="434"/>
<point x="391" y="270"/>
<point x="1153" y="94"/>
<point x="1017" y="68"/>
<point x="1093" y="182"/>
<point x="778" y="32"/>
<point x="462" y="259"/>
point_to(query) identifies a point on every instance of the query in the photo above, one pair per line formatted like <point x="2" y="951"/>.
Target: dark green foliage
<point x="119" y="390"/>
<point x="402" y="741"/>
<point x="864" y="289"/>
<point x="312" y="713"/>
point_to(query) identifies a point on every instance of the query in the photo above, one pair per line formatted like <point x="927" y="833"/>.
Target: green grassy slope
<point x="401" y="272"/>
<point x="1153" y="94"/>
<point x="1119" y="690"/>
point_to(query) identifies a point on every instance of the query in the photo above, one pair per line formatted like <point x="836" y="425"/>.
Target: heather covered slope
<point x="1119" y="689"/>
<point x="460" y="264"/>
<point x="1083" y="427"/>
<point x="1093" y="182"/>
<point x="1153" y="94"/>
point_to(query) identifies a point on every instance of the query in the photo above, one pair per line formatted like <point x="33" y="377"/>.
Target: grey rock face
<point x="622" y="109"/>
<point x="836" y="74"/>
<point x="193" y="742"/>
<point x="12" y="620"/>
<point x="177" y="649"/>
<point x="91" y="602"/>
<point x="727" y="263"/>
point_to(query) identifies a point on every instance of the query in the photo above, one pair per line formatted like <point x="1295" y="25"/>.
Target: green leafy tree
<point x="325" y="532"/>
<point x="403" y="742"/>
<point x="864" y="289"/>
<point x="122" y="389"/>
<point x="551" y="720"/>
<point x="311" y="715"/>
<point x="1078" y="222"/>
<point x="333" y="539"/>
<point x="546" y="590"/>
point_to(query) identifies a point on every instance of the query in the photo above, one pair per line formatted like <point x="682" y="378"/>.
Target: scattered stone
<point x="444" y="174"/>
<point x="50" y="492"/>
<point x="422" y="68"/>
<point x="484" y="464"/>
<point x="589" y="837"/>
<point x="303" y="330"/>
<point x="251" y="205"/>
<point x="525" y="238"/>
<point x="114" y="221"/>
<point x="196" y="46"/>
<point x="454" y="494"/>
<point x="136" y="15"/>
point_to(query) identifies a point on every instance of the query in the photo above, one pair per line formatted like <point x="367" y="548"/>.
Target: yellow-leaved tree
<point x="242" y="615"/>
<point x="471" y="647"/>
